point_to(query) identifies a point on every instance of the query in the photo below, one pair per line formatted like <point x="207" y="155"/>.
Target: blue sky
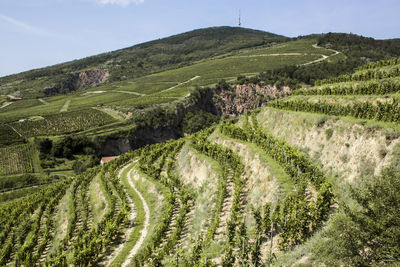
<point x="37" y="33"/>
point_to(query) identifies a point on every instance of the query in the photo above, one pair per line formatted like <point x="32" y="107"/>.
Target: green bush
<point x="368" y="234"/>
<point x="194" y="122"/>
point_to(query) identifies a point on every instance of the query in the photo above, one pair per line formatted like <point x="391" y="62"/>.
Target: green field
<point x="67" y="122"/>
<point x="16" y="160"/>
<point x="159" y="88"/>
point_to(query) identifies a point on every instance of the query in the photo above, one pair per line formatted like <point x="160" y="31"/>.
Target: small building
<point x="14" y="98"/>
<point x="107" y="159"/>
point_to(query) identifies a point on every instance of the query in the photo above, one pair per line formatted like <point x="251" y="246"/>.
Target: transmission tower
<point x="240" y="23"/>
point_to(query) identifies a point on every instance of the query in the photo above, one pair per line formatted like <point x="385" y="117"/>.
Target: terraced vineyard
<point x="139" y="227"/>
<point x="376" y="87"/>
<point x="266" y="188"/>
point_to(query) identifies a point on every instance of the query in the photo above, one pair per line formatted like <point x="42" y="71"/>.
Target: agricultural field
<point x="16" y="160"/>
<point x="176" y="83"/>
<point x="9" y="136"/>
<point x="155" y="89"/>
<point x="292" y="183"/>
<point x="371" y="92"/>
<point x="63" y="123"/>
<point x="158" y="234"/>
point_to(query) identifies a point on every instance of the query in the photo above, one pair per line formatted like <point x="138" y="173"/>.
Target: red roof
<point x="108" y="159"/>
<point x="16" y="98"/>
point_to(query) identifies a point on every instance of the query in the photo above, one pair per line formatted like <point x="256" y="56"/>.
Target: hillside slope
<point x="142" y="59"/>
<point x="311" y="177"/>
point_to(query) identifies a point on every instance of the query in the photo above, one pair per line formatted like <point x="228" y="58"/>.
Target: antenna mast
<point x="240" y="23"/>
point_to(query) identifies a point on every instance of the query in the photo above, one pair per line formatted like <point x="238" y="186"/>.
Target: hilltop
<point x="143" y="59"/>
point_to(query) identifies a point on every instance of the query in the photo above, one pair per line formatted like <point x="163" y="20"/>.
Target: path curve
<point x="143" y="234"/>
<point x="109" y="259"/>
<point x="324" y="57"/>
<point x="179" y="84"/>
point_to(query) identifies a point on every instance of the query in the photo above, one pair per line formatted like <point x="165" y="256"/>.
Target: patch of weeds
<point x="317" y="158"/>
<point x="328" y="133"/>
<point x="390" y="136"/>
<point x="305" y="150"/>
<point x="344" y="158"/>
<point x="321" y="122"/>
<point x="395" y="164"/>
<point x="382" y="152"/>
<point x="347" y="145"/>
<point x="367" y="168"/>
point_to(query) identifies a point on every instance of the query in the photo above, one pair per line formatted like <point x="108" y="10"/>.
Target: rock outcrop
<point x="78" y="80"/>
<point x="235" y="102"/>
<point x="90" y="78"/>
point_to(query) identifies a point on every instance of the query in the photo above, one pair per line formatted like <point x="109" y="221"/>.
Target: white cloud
<point x="120" y="2"/>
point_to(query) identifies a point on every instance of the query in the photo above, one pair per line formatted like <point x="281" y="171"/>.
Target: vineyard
<point x="267" y="188"/>
<point x="66" y="122"/>
<point x="9" y="136"/>
<point x="36" y="229"/>
<point x="376" y="85"/>
<point x="16" y="160"/>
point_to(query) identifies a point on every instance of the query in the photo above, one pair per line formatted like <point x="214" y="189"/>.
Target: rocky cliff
<point x="231" y="103"/>
<point x="90" y="78"/>
<point x="158" y="124"/>
<point x="78" y="80"/>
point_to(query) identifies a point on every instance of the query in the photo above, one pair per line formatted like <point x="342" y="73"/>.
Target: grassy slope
<point x="155" y="86"/>
<point x="145" y="58"/>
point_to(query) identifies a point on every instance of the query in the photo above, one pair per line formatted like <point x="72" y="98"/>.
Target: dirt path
<point x="226" y="211"/>
<point x="271" y="55"/>
<point x="182" y="83"/>
<point x="132" y="218"/>
<point x="65" y="107"/>
<point x="324" y="57"/>
<point x="131" y="93"/>
<point x="15" y="130"/>
<point x="44" y="102"/>
<point x="144" y="232"/>
<point x="6" y="104"/>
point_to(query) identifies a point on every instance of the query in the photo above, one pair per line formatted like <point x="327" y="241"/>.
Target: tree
<point x="368" y="234"/>
<point x="45" y="146"/>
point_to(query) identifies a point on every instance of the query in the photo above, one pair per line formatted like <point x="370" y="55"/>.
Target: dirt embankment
<point x="347" y="150"/>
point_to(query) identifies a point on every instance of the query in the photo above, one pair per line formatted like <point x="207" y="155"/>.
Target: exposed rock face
<point x="245" y="97"/>
<point x="115" y="147"/>
<point x="90" y="78"/>
<point x="167" y="124"/>
<point x="78" y="80"/>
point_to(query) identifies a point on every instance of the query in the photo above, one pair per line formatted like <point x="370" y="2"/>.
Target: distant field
<point x="16" y="159"/>
<point x="62" y="123"/>
<point x="8" y="136"/>
<point x="244" y="62"/>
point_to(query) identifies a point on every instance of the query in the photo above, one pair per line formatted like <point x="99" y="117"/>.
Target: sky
<point x="39" y="33"/>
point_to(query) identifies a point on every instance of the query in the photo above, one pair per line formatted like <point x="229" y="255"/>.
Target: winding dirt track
<point x="144" y="232"/>
<point x="179" y="84"/>
<point x="324" y="57"/>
